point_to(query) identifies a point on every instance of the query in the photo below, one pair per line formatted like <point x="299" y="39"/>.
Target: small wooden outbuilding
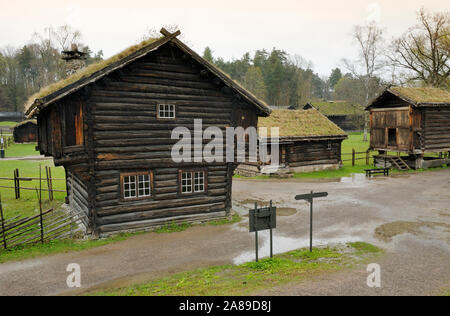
<point x="347" y="115"/>
<point x="308" y="141"/>
<point x="110" y="125"/>
<point x="412" y="122"/>
<point x="25" y="132"/>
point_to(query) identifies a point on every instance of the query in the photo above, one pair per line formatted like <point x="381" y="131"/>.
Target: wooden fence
<point x="48" y="179"/>
<point x="41" y="228"/>
<point x="7" y="141"/>
<point x="363" y="155"/>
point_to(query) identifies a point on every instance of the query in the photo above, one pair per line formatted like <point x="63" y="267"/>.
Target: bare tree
<point x="424" y="50"/>
<point x="370" y="41"/>
<point x="64" y="36"/>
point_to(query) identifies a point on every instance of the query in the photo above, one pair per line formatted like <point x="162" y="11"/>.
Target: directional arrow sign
<point x="311" y="195"/>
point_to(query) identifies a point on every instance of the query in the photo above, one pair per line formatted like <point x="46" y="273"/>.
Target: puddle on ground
<point x="286" y="211"/>
<point x="355" y="178"/>
<point x="387" y="231"/>
<point x="284" y="244"/>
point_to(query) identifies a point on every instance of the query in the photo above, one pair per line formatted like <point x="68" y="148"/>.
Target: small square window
<point x="192" y="181"/>
<point x="166" y="111"/>
<point x="136" y="186"/>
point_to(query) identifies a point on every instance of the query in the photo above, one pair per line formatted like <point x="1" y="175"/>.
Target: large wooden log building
<point x="308" y="141"/>
<point x="412" y="122"/>
<point x="110" y="126"/>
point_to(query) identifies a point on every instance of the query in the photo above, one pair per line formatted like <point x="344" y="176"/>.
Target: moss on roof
<point x="86" y="72"/>
<point x="423" y="95"/>
<point x="300" y="123"/>
<point x="338" y="107"/>
<point x="26" y="122"/>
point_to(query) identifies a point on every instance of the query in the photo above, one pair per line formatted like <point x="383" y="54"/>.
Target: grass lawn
<point x="8" y="124"/>
<point x="248" y="278"/>
<point x="21" y="150"/>
<point x="28" y="205"/>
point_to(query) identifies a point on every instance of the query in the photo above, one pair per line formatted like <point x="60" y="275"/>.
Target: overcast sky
<point x="318" y="30"/>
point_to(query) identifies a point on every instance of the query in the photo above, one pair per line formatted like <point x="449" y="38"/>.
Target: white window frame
<point x="147" y="185"/>
<point x="193" y="181"/>
<point x="166" y="111"/>
<point x="200" y="177"/>
<point x="186" y="182"/>
<point x="127" y="180"/>
<point x="136" y="185"/>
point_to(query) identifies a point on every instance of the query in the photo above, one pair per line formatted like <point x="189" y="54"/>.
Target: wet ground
<point x="407" y="215"/>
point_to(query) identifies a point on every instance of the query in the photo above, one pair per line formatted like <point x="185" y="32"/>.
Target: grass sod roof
<point x="300" y="123"/>
<point x="423" y="95"/>
<point x="337" y="108"/>
<point x="26" y="122"/>
<point x="415" y="96"/>
<point x="96" y="71"/>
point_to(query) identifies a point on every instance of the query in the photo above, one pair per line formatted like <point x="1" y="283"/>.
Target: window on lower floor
<point x="192" y="181"/>
<point x="136" y="185"/>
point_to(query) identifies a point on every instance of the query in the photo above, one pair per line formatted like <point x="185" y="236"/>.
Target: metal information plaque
<point x="263" y="219"/>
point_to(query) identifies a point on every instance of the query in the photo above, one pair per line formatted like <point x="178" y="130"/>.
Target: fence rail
<point x="17" y="179"/>
<point x="40" y="228"/>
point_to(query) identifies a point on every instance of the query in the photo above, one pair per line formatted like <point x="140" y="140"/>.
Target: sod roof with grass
<point x="334" y="108"/>
<point x="26" y="122"/>
<point x="94" y="72"/>
<point x="301" y="124"/>
<point x="426" y="96"/>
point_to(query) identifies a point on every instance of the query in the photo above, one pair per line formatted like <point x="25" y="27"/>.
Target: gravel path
<point x="413" y="211"/>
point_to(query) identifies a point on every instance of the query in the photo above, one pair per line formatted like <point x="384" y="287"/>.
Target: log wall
<point x="436" y="129"/>
<point x="306" y="153"/>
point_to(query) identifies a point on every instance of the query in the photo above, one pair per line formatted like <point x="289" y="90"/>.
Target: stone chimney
<point x="75" y="60"/>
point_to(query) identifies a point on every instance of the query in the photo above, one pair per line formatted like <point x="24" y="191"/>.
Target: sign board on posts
<point x="262" y="219"/>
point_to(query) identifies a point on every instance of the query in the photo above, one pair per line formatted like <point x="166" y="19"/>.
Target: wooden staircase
<point x="398" y="163"/>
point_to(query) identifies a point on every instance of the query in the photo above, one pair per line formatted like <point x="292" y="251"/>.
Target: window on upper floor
<point x="166" y="111"/>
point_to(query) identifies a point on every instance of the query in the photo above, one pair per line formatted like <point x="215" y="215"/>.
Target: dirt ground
<point x="407" y="215"/>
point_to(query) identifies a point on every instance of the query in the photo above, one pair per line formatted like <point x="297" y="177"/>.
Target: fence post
<point x="17" y="183"/>
<point x="48" y="173"/>
<point x="3" y="223"/>
<point x="367" y="157"/>
<point x="40" y="204"/>
<point x="353" y="157"/>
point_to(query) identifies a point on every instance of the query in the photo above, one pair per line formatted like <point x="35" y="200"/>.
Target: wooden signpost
<point x="263" y="219"/>
<point x="310" y="197"/>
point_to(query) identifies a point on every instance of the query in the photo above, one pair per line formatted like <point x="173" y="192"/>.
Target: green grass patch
<point x="173" y="227"/>
<point x="244" y="279"/>
<point x="235" y="218"/>
<point x="28" y="204"/>
<point x="363" y="247"/>
<point x="56" y="246"/>
<point x="8" y="124"/>
<point x="21" y="150"/>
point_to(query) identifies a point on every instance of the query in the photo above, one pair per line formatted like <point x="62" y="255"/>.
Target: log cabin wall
<point x="25" y="133"/>
<point x="391" y="129"/>
<point x="78" y="196"/>
<point x="307" y="153"/>
<point x="436" y="129"/>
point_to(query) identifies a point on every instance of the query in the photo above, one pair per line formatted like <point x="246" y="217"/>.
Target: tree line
<point x="25" y="70"/>
<point x="418" y="57"/>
